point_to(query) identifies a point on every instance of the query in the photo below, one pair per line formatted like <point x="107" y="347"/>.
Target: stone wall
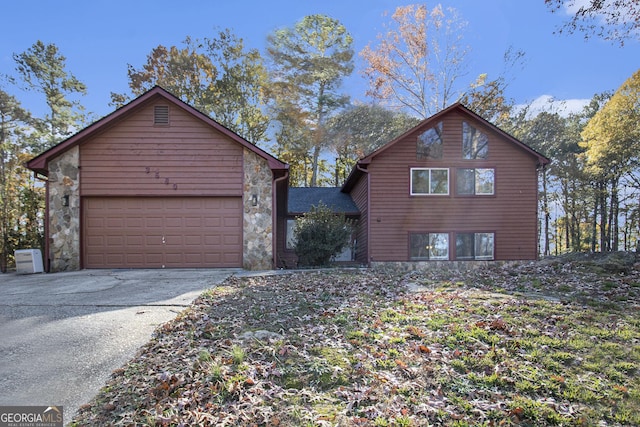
<point x="433" y="265"/>
<point x="64" y="221"/>
<point x="257" y="213"/>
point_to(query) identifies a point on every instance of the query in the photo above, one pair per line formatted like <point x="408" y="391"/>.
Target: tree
<point x="308" y="63"/>
<point x="612" y="143"/>
<point x="215" y="75"/>
<point x="320" y="234"/>
<point x="614" y="20"/>
<point x="361" y="129"/>
<point x="43" y="69"/>
<point x="18" y="223"/>
<point x="239" y="99"/>
<point x="186" y="73"/>
<point x="418" y="65"/>
<point x="487" y="97"/>
<point x="419" y="60"/>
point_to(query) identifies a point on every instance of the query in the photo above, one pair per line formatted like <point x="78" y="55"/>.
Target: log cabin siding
<point x="185" y="158"/>
<point x="511" y="213"/>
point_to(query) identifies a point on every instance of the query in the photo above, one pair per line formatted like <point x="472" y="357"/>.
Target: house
<point x="300" y="201"/>
<point x="159" y="184"/>
<point x="455" y="188"/>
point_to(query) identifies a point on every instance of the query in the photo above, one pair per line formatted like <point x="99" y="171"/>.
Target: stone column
<point x="257" y="213"/>
<point x="64" y="221"/>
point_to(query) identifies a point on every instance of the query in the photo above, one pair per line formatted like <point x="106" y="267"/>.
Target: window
<point x="474" y="246"/>
<point x="475" y="181"/>
<point x="429" y="181"/>
<point x="475" y="144"/>
<point x="429" y="246"/>
<point x="161" y="115"/>
<point x="430" y="143"/>
<point x="291" y="237"/>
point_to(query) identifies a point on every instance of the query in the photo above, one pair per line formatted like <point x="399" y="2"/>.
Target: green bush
<point x="320" y="235"/>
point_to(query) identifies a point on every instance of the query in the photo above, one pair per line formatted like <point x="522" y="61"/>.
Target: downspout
<point x="45" y="254"/>
<point x="366" y="172"/>
<point x="274" y="218"/>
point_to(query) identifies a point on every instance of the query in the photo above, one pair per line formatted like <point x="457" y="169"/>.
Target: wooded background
<point x="290" y="101"/>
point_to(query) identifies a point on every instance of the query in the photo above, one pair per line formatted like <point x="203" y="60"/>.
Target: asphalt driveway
<point x="62" y="334"/>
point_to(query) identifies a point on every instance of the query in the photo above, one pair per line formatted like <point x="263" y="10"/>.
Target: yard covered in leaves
<point x="546" y="343"/>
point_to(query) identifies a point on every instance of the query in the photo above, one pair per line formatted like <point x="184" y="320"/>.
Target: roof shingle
<point x="302" y="199"/>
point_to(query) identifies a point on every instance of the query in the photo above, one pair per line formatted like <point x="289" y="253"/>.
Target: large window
<point x="474" y="246"/>
<point x="429" y="181"/>
<point x="429" y="246"/>
<point x="430" y="143"/>
<point x="475" y="144"/>
<point x="475" y="181"/>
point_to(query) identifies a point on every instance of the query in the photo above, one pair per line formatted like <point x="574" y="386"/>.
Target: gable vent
<point x="161" y="115"/>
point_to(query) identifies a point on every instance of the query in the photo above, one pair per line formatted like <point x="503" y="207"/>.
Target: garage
<point x="162" y="232"/>
<point x="159" y="184"/>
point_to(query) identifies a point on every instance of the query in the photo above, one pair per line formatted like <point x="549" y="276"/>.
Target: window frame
<point x="477" y="133"/>
<point x="476" y="236"/>
<point x="460" y="173"/>
<point x="430" y="193"/>
<point x="290" y="238"/>
<point x="429" y="257"/>
<point x="424" y="149"/>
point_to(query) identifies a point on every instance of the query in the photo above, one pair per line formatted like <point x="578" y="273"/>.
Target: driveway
<point x="62" y="334"/>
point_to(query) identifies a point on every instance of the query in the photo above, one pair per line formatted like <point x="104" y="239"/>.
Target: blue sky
<point x="99" y="38"/>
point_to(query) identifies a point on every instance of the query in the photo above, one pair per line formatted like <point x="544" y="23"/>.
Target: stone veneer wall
<point x="257" y="220"/>
<point x="64" y="221"/>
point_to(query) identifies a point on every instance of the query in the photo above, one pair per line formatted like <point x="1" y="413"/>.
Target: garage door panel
<point x="162" y="232"/>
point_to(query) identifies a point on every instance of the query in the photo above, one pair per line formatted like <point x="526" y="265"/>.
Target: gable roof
<point x="302" y="199"/>
<point x="39" y="163"/>
<point x="356" y="172"/>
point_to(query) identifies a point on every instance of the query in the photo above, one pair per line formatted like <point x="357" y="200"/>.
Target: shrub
<point x="320" y="234"/>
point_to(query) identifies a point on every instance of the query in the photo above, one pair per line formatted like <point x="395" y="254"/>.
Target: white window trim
<point x="429" y="194"/>
<point x="493" y="247"/>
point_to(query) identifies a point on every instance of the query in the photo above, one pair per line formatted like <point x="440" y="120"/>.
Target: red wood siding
<point x="134" y="157"/>
<point x="359" y="194"/>
<point x="511" y="213"/>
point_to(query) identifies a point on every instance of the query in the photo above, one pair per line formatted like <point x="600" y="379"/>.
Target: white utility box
<point x="28" y="261"/>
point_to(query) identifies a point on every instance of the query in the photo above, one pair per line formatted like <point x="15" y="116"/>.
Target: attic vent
<point x="161" y="115"/>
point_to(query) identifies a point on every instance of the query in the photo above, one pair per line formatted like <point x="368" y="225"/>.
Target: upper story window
<point x="429" y="181"/>
<point x="430" y="143"/>
<point x="478" y="181"/>
<point x="475" y="144"/>
<point x="161" y="115"/>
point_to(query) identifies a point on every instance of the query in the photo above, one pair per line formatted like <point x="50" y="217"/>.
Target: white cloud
<point x="609" y="7"/>
<point x="549" y="104"/>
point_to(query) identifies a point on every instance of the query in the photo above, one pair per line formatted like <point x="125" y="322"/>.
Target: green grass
<point x="356" y="349"/>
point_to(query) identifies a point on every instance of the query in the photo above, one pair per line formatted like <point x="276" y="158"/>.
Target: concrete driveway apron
<point x="62" y="334"/>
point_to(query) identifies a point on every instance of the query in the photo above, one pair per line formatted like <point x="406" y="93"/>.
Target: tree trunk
<point x="545" y="209"/>
<point x="614" y="223"/>
<point x="604" y="244"/>
<point x="594" y="223"/>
